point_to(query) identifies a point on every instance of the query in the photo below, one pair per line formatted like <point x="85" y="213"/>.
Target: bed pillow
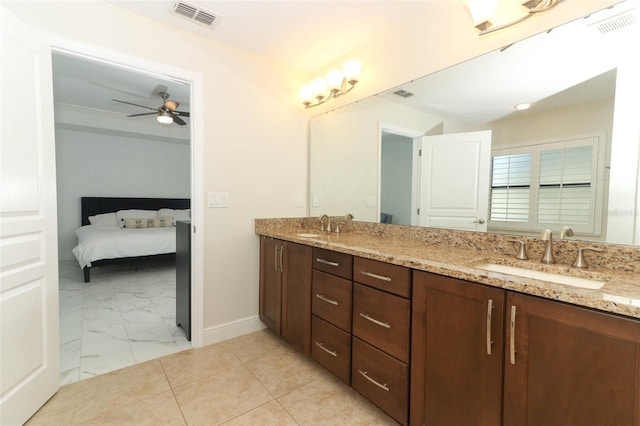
<point x="163" y="222"/>
<point x="177" y="214"/>
<point x="137" y="223"/>
<point x="153" y="222"/>
<point x="134" y="214"/>
<point x="110" y="219"/>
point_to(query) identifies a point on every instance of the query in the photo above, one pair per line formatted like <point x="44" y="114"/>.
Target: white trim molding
<point x="231" y="329"/>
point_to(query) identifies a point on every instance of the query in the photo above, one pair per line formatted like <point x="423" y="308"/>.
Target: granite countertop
<point x="620" y="295"/>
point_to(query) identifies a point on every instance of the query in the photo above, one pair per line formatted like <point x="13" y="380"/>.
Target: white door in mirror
<point x="454" y="187"/>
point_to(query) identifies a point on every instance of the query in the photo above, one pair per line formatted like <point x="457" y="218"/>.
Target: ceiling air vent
<point x="403" y="93"/>
<point x="194" y="13"/>
<point x="616" y="22"/>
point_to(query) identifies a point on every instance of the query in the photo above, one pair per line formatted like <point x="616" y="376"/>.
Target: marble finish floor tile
<point x="123" y="317"/>
<point x="213" y="386"/>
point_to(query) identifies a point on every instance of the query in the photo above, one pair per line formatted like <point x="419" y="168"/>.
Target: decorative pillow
<point x="109" y="219"/>
<point x="134" y="214"/>
<point x="137" y="222"/>
<point x="177" y="214"/>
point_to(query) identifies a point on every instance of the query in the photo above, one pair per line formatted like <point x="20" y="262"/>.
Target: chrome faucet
<point x="566" y="232"/>
<point x="321" y="220"/>
<point x="547" y="237"/>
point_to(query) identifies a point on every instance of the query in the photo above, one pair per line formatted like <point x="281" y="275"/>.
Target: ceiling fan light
<point x="165" y="117"/>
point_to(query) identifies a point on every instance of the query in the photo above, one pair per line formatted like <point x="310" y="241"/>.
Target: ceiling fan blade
<point x="130" y="103"/>
<point x="171" y="105"/>
<point x="182" y="113"/>
<point x="179" y="121"/>
<point x="143" y="114"/>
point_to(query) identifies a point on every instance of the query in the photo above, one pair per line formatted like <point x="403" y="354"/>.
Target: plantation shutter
<point x="565" y="194"/>
<point x="510" y="187"/>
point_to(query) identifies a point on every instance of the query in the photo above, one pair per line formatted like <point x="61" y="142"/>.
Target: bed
<point x="104" y="242"/>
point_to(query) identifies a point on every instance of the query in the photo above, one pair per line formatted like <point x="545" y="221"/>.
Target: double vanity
<point x="442" y="327"/>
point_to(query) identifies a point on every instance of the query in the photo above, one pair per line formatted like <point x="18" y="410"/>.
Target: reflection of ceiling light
<point x="165" y="117"/>
<point x="522" y="106"/>
<point x="337" y="83"/>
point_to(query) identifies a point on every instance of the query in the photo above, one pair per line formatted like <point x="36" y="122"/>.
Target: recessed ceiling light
<point x="522" y="107"/>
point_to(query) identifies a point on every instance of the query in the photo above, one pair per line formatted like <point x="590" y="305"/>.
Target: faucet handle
<point x="580" y="262"/>
<point x="521" y="249"/>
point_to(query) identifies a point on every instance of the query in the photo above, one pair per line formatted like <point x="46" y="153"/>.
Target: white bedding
<point x="96" y="242"/>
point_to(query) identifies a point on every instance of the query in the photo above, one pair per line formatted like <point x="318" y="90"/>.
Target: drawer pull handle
<point x="375" y="382"/>
<point x="512" y="337"/>
<point x="330" y="352"/>
<point x="375" y="321"/>
<point x="327" y="262"/>
<point x="489" y="314"/>
<point x="325" y="299"/>
<point x="376" y="276"/>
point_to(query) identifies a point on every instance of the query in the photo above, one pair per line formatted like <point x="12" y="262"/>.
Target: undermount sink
<point x="590" y="283"/>
<point x="308" y="235"/>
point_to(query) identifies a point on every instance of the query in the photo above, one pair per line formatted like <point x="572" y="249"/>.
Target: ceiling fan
<point x="166" y="114"/>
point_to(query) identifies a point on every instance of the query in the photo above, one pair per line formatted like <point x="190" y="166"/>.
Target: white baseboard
<point x="232" y="329"/>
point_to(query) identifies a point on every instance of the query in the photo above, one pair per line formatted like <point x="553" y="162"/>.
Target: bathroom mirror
<point x="578" y="78"/>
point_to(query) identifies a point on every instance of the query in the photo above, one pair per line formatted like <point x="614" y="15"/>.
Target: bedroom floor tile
<point x="121" y="318"/>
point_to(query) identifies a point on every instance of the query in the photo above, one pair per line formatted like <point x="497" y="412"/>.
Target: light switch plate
<point x="300" y="200"/>
<point x="370" y="201"/>
<point x="218" y="199"/>
<point x="315" y="201"/>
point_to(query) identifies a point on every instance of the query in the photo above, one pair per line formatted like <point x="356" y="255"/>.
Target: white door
<point x="29" y="335"/>
<point x="454" y="188"/>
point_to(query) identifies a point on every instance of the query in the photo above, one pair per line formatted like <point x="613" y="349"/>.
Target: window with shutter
<point x="548" y="185"/>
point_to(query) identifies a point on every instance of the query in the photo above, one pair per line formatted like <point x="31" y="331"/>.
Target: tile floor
<point x="255" y="379"/>
<point x="121" y="318"/>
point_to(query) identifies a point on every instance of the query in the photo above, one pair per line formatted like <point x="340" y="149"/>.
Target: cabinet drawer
<point x="335" y="263"/>
<point x="382" y="320"/>
<point x="331" y="299"/>
<point x="381" y="379"/>
<point x="385" y="276"/>
<point x="331" y="348"/>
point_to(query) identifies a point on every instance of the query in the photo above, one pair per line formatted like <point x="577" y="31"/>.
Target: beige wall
<point x="255" y="135"/>
<point x="255" y="143"/>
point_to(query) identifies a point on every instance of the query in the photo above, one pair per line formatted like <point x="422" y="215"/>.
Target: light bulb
<point x="164" y="117"/>
<point x="482" y="11"/>
<point x="334" y="79"/>
<point x="319" y="87"/>
<point x="306" y="94"/>
<point x="352" y="70"/>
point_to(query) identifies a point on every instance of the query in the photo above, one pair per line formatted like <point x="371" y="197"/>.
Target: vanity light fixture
<point x="337" y="83"/>
<point x="164" y="117"/>
<point x="482" y="11"/>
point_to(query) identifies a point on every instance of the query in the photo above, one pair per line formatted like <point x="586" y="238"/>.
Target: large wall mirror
<point x="570" y="159"/>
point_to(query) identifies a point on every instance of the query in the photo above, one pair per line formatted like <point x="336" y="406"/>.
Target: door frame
<point x="165" y="71"/>
<point x="415" y="180"/>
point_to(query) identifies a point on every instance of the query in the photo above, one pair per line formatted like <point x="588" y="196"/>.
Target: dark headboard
<point x="95" y="205"/>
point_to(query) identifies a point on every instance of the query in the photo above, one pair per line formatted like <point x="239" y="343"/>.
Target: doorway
<point x="129" y="317"/>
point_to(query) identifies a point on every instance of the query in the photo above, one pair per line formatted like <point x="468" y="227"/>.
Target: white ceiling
<point x="302" y="33"/>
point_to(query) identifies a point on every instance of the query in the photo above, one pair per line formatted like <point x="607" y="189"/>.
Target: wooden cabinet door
<point x="270" y="283"/>
<point x="296" y="296"/>
<point x="570" y="366"/>
<point x="456" y="352"/>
